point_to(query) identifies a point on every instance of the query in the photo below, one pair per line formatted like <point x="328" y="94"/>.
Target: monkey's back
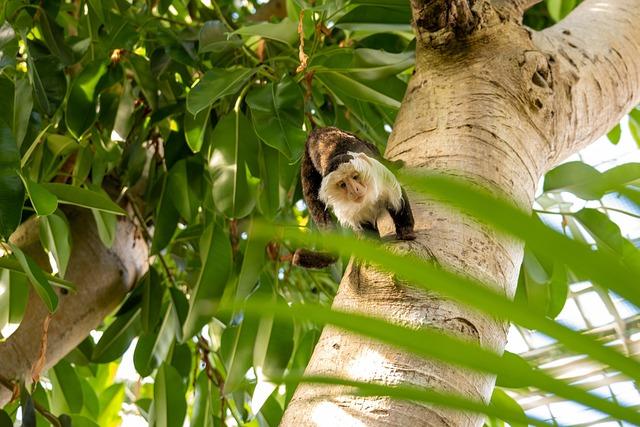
<point x="328" y="147"/>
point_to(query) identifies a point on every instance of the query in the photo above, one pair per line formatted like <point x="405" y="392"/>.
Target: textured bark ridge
<point x="497" y="103"/>
<point x="102" y="277"/>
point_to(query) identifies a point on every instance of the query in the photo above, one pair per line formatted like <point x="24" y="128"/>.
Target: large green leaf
<point x="81" y="104"/>
<point x="153" y="348"/>
<point x="345" y="84"/>
<point x="169" y="402"/>
<point x="78" y="196"/>
<point x="195" y="128"/>
<point x="364" y="64"/>
<point x="558" y="9"/>
<point x="284" y="31"/>
<point x="376" y="17"/>
<point x="144" y="78"/>
<point x="587" y="182"/>
<point x="37" y="278"/>
<point x="215" y="84"/>
<point x="11" y="187"/>
<point x="43" y="201"/>
<point x="277" y="111"/>
<point x="233" y="144"/>
<point x="67" y="391"/>
<point x="213" y="37"/>
<point x="215" y="254"/>
<point x="166" y="218"/>
<point x="206" y="402"/>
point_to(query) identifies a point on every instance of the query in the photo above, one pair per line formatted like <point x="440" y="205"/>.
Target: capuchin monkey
<point x="342" y="173"/>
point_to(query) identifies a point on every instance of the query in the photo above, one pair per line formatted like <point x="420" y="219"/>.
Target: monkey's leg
<point x="403" y="219"/>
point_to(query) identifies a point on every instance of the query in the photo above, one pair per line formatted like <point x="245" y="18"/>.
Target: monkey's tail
<point x="311" y="259"/>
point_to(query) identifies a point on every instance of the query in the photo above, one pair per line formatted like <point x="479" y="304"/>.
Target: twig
<point x="37" y="367"/>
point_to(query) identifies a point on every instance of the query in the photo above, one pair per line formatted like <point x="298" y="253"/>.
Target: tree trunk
<point x="498" y="103"/>
<point x="102" y="277"/>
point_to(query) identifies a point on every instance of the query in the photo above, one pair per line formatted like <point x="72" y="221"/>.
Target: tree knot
<point x="460" y="17"/>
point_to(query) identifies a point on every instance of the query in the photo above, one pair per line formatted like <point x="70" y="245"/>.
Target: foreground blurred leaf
<point x="67" y="392"/>
<point x="587" y="182"/>
<point x="43" y="201"/>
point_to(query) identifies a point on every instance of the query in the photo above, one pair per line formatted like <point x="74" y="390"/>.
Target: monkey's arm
<point x="311" y="182"/>
<point x="403" y="219"/>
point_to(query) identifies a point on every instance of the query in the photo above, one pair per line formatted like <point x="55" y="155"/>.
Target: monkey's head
<point x="349" y="183"/>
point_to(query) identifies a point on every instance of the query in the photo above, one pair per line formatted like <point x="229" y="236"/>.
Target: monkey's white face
<point x="345" y="185"/>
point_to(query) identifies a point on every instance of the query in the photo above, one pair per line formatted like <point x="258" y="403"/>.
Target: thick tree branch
<point x="594" y="58"/>
<point x="102" y="277"/>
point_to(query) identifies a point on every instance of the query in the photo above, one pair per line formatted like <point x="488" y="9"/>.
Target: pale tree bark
<point x="499" y="104"/>
<point x="102" y="277"/>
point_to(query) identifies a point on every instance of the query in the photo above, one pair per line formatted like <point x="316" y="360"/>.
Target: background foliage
<point x="196" y="113"/>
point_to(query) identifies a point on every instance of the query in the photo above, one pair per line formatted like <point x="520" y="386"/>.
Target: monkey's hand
<point x="406" y="234"/>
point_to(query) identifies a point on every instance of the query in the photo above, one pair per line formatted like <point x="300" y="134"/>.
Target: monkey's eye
<point x="343" y="185"/>
<point x="356" y="177"/>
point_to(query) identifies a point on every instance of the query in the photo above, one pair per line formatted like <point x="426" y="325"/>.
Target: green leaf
<point x="53" y="36"/>
<point x="237" y="344"/>
<point x="184" y="186"/>
<point x="558" y="9"/>
<point x="576" y="177"/>
<point x="107" y="224"/>
<point x="430" y="343"/>
<point x="252" y="263"/>
<point x="215" y="254"/>
<point x="36" y="82"/>
<point x="56" y="239"/>
<point x="213" y="38"/>
<point x="166" y="221"/>
<point x="501" y="399"/>
<point x="43" y="201"/>
<point x="144" y="78"/>
<point x="81" y="104"/>
<point x="277" y="112"/>
<point x="169" y="402"/>
<point x="152" y="295"/>
<point x="284" y="31"/>
<point x="614" y="134"/>
<point x="152" y="349"/>
<point x="346" y="84"/>
<point x="5" y="419"/>
<point x="195" y="127"/>
<point x="111" y="400"/>
<point x="363" y="64"/>
<point x="14" y="292"/>
<point x="67" y="391"/>
<point x="14" y="266"/>
<point x="206" y="402"/>
<point x="634" y="125"/>
<point x="116" y="339"/>
<point x="22" y="105"/>
<point x="11" y="187"/>
<point x="422" y="273"/>
<point x="233" y="144"/>
<point x="215" y="84"/>
<point x="72" y="195"/>
<point x="377" y="18"/>
<point x="37" y="278"/>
